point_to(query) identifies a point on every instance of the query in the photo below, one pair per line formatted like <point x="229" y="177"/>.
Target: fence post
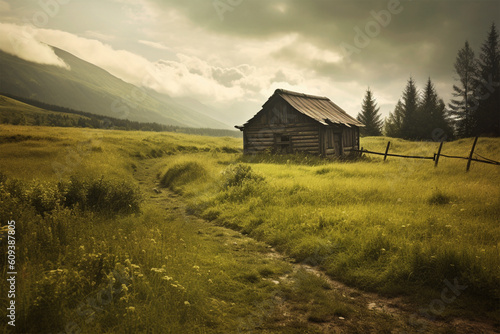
<point x="470" y="155"/>
<point x="438" y="154"/>
<point x="387" y="150"/>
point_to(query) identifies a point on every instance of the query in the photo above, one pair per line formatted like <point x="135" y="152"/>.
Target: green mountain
<point x="89" y="88"/>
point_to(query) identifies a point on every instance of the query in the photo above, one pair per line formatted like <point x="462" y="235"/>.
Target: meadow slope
<point x="101" y="245"/>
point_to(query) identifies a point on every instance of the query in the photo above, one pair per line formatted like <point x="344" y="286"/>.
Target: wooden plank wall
<point x="304" y="137"/>
<point x="264" y="131"/>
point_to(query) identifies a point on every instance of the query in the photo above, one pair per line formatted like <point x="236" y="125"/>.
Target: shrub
<point x="105" y="196"/>
<point x="44" y="197"/>
<point x="438" y="198"/>
<point x="3" y="178"/>
<point x="112" y="197"/>
<point x="236" y="175"/>
<point x="74" y="192"/>
<point x="181" y="174"/>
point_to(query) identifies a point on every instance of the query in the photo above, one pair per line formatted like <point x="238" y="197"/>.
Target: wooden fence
<point x="436" y="156"/>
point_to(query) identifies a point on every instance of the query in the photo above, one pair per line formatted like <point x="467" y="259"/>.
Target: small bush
<point x="236" y="175"/>
<point x="438" y="198"/>
<point x="74" y="192"/>
<point x="44" y="197"/>
<point x="211" y="214"/>
<point x="114" y="197"/>
<point x="105" y="196"/>
<point x="3" y="178"/>
<point x="181" y="174"/>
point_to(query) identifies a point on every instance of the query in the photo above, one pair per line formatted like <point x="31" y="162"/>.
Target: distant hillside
<point x="24" y="111"/>
<point x="91" y="89"/>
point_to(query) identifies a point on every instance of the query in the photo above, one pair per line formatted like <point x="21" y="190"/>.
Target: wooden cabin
<point x="293" y="122"/>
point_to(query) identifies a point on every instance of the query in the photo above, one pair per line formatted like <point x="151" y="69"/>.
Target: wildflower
<point x="130" y="309"/>
<point x="196" y="268"/>
<point x="210" y="281"/>
<point x="124" y="288"/>
<point x="82" y="247"/>
<point x="187" y="303"/>
<point x="167" y="278"/>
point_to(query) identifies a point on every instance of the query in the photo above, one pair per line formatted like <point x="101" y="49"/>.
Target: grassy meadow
<point x="112" y="233"/>
<point x="395" y="227"/>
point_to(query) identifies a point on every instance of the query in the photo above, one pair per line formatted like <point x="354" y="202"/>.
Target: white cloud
<point x="98" y="35"/>
<point x="20" y="41"/>
<point x="184" y="76"/>
<point x="123" y="64"/>
<point x="154" y="45"/>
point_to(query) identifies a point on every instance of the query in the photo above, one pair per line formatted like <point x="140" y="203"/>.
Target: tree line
<point x="473" y="111"/>
<point x="81" y="119"/>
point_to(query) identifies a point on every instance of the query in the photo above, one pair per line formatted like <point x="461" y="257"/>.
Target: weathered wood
<point x="471" y="153"/>
<point x="387" y="150"/>
<point x="279" y="118"/>
<point x="306" y="126"/>
<point x="291" y="133"/>
<point x="399" y="155"/>
<point x="436" y="158"/>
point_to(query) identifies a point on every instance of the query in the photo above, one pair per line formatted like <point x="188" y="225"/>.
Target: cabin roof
<point x="319" y="108"/>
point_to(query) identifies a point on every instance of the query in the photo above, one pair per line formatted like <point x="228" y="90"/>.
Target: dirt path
<point x="369" y="306"/>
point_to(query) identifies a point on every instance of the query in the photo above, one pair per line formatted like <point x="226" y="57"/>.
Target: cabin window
<point x="283" y="143"/>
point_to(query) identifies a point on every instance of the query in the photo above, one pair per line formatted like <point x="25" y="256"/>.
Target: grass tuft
<point x="182" y="174"/>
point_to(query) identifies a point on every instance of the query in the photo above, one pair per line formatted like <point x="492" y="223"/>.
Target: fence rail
<point x="436" y="156"/>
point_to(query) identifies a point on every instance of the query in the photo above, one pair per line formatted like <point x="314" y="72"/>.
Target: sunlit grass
<point x="379" y="225"/>
<point x="397" y="227"/>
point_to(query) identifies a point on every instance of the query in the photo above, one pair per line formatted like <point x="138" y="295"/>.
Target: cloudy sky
<point x="232" y="54"/>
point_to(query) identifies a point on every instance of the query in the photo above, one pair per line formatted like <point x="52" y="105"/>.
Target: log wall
<point x="281" y="128"/>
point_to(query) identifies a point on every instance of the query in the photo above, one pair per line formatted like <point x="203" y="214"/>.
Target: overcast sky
<point x="233" y="54"/>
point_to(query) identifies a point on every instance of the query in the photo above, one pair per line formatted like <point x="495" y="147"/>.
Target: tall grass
<point x="90" y="252"/>
<point x="93" y="257"/>
<point x="391" y="227"/>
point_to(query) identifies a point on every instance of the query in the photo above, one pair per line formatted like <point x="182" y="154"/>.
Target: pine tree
<point x="409" y="126"/>
<point x="394" y="123"/>
<point x="432" y="118"/>
<point x="463" y="108"/>
<point x="488" y="87"/>
<point x="370" y="116"/>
